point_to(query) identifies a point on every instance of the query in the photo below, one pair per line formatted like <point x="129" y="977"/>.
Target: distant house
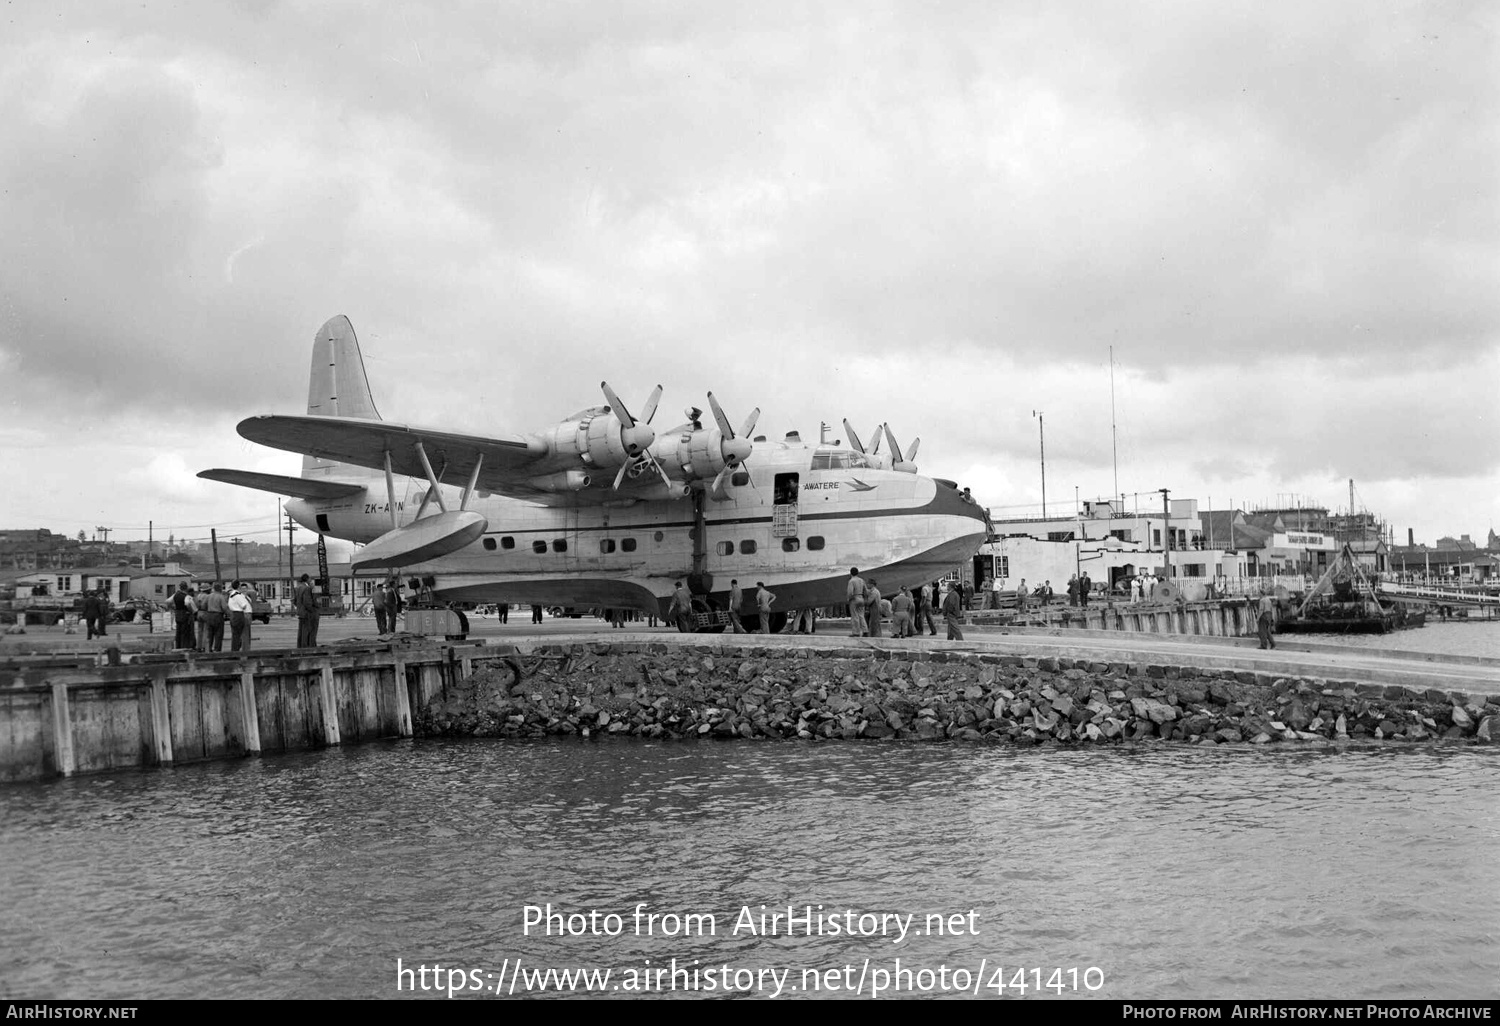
<point x="118" y="582"/>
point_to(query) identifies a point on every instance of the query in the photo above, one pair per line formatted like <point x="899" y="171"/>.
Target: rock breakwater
<point x="759" y="692"/>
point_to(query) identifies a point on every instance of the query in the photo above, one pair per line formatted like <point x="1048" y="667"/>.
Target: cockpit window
<point x="838" y="459"/>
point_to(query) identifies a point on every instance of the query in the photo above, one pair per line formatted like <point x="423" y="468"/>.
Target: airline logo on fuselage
<point x="854" y="483"/>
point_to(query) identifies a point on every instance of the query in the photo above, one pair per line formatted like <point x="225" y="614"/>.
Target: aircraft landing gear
<point x="708" y="620"/>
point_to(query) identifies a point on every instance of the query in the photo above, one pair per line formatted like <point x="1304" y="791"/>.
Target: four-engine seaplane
<point x="602" y="509"/>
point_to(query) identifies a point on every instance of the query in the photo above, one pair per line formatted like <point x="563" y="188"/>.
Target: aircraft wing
<point x="297" y="487"/>
<point x="507" y="461"/>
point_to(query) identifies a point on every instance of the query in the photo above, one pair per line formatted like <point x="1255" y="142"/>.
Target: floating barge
<point x="1344" y="601"/>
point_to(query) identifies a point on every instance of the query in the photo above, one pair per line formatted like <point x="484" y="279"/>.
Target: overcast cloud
<point x="1283" y="219"/>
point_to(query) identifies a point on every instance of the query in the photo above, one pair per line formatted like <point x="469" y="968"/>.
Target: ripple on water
<point x="1227" y="872"/>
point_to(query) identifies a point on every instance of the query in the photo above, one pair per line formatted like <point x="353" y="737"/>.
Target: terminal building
<point x="1203" y="553"/>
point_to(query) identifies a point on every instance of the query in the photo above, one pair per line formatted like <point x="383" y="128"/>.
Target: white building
<point x="1109" y="547"/>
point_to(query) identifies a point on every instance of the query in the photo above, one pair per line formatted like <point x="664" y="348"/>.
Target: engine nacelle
<point x="563" y="481"/>
<point x="699" y="455"/>
<point x="599" y="439"/>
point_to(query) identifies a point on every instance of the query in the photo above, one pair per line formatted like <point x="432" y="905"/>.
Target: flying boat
<point x="601" y="509"/>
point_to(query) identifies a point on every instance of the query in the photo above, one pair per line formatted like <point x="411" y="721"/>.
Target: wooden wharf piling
<point x="60" y="717"/>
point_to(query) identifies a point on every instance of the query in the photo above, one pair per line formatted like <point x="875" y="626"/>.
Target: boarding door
<point x="784" y="506"/>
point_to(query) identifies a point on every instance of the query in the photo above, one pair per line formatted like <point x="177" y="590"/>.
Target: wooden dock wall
<point x="63" y="721"/>
<point x="1222" y="618"/>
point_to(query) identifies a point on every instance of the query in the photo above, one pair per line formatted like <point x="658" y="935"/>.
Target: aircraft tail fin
<point x="337" y="385"/>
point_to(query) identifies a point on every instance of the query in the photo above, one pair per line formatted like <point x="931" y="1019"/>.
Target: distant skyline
<point x="1275" y="227"/>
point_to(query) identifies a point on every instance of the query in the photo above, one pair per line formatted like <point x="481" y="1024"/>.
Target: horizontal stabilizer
<point x="296" y="487"/>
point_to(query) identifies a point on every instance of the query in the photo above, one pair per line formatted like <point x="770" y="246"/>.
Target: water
<point x="1293" y="872"/>
<point x="1461" y="638"/>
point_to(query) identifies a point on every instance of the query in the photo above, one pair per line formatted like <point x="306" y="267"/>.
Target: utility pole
<point x="1042" y="430"/>
<point x="291" y="573"/>
<point x="1078" y="538"/>
<point x="1166" y="549"/>
<point x="213" y="537"/>
<point x="236" y="543"/>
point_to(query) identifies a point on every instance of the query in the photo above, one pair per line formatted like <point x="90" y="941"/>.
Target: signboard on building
<point x="1303" y="540"/>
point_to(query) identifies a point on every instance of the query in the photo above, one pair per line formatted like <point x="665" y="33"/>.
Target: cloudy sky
<point x="1280" y="218"/>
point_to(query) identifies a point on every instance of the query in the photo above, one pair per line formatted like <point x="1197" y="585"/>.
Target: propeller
<point x="735" y="449"/>
<point x="872" y="452"/>
<point x="906" y="464"/>
<point x="853" y="438"/>
<point x="634" y="435"/>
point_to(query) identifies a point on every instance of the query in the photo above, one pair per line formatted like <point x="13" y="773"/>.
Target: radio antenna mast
<point x="1113" y="442"/>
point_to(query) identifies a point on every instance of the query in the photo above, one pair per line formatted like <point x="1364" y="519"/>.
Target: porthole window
<point x="627" y="544"/>
<point x="606" y="545"/>
<point x="815" y="542"/>
<point x="539" y="547"/>
<point x="507" y="542"/>
<point x="747" y="546"/>
<point x="659" y="536"/>
<point x="790" y="544"/>
<point x="725" y="548"/>
<point x="559" y="545"/>
<point x="489" y="543"/>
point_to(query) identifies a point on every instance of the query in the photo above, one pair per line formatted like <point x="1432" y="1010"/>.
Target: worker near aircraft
<point x="927" y="601"/>
<point x="239" y="618"/>
<point x="306" y="605"/>
<point x="377" y="603"/>
<point x="182" y="616"/>
<point x="953" y="612"/>
<point x="856" y="598"/>
<point x="217" y="610"/>
<point x="763" y="601"/>
<point x="901" y="608"/>
<point x="873" y="608"/>
<point x="681" y="610"/>
<point x="736" y="597"/>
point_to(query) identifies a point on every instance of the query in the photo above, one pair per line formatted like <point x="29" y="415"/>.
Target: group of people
<point x="1143" y="587"/>
<point x="907" y="611"/>
<point x="96" y="610"/>
<point x="199" y="615"/>
<point x="680" y="611"/>
<point x="385" y="602"/>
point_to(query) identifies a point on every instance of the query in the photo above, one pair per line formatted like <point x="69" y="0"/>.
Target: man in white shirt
<point x="239" y="618"/>
<point x="763" y="600"/>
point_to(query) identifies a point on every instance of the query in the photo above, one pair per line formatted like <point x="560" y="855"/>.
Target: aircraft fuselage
<point x="795" y="516"/>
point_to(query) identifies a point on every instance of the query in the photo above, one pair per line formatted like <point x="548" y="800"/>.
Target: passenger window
<point x="747" y="546"/>
<point x="627" y="544"/>
<point x="559" y="545"/>
<point x="739" y="478"/>
<point x="539" y="547"/>
<point x="606" y="545"/>
<point x="790" y="544"/>
<point x="815" y="542"/>
<point x="489" y="543"/>
<point x="725" y="548"/>
<point x="507" y="542"/>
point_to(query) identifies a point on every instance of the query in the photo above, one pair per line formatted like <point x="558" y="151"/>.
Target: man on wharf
<point x="856" y="597"/>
